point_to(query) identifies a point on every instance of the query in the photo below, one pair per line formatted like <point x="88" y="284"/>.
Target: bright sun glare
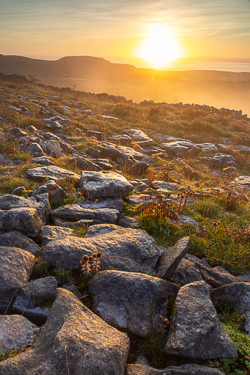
<point x="160" y="47"/>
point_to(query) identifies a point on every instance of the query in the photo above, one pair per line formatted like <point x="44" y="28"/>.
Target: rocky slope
<point x="73" y="263"/>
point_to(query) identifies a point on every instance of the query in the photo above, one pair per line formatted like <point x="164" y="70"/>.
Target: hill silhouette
<point x="86" y="73"/>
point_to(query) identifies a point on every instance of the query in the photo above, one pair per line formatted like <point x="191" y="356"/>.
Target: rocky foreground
<point x="140" y="286"/>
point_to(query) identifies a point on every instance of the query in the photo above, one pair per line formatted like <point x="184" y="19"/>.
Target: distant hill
<point x="214" y="88"/>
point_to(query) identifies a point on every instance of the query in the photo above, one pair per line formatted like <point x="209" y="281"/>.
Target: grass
<point x="151" y="347"/>
<point x="62" y="275"/>
<point x="234" y="324"/>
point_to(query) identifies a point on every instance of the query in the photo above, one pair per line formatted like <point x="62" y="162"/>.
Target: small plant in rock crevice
<point x="90" y="264"/>
<point x="234" y="324"/>
<point x="62" y="275"/>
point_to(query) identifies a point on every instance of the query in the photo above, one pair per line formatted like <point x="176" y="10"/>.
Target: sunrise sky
<point x="129" y="31"/>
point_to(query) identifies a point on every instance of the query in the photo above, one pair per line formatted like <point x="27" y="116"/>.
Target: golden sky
<point x="131" y="31"/>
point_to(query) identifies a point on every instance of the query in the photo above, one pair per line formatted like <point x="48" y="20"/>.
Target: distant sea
<point x="236" y="67"/>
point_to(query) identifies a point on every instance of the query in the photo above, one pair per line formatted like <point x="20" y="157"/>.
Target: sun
<point x="160" y="47"/>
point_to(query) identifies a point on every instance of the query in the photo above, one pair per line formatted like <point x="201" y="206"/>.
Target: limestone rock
<point x="25" y="220"/>
<point x="139" y="311"/>
<point x="42" y="160"/>
<point x="104" y="185"/>
<point x="15" y="332"/>
<point x="100" y="229"/>
<point x="238" y="294"/>
<point x="4" y="160"/>
<point x="75" y="212"/>
<point x="242" y="182"/>
<point x="18" y="239"/>
<point x="124" y="249"/>
<point x="34" y="149"/>
<point x="169" y="186"/>
<point x="51" y="233"/>
<point x="52" y="172"/>
<point x="86" y="164"/>
<point x="119" y="154"/>
<point x="195" y="330"/>
<point x="171" y="257"/>
<point x="16" y="266"/>
<point x="219" y="160"/>
<point x="216" y="276"/>
<point x="139" y="135"/>
<point x="74" y="341"/>
<point x="112" y="203"/>
<point x="186" y="273"/>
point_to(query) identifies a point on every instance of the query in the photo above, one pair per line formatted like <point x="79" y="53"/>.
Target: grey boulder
<point x="16" y="266"/>
<point x="100" y="229"/>
<point x="112" y="203"/>
<point x="18" y="239"/>
<point x="25" y="220"/>
<point x="171" y="257"/>
<point x="15" y="332"/>
<point x="195" y="330"/>
<point x="52" y="233"/>
<point x="124" y="249"/>
<point x="74" y="341"/>
<point x="131" y="301"/>
<point x="104" y="185"/>
<point x="239" y="295"/>
<point x="52" y="172"/>
<point x="74" y="212"/>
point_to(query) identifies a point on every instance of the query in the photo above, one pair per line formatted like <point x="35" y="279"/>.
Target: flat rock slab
<point x="183" y="219"/>
<point x="52" y="172"/>
<point x="86" y="164"/>
<point x="239" y="295"/>
<point x="139" y="135"/>
<point x="137" y="311"/>
<point x="104" y="184"/>
<point x="15" y="332"/>
<point x="112" y="203"/>
<point x="124" y="249"/>
<point x="120" y="154"/>
<point x="76" y="224"/>
<point x="74" y="341"/>
<point x="52" y="148"/>
<point x="100" y="229"/>
<point x="242" y="182"/>
<point x="195" y="330"/>
<point x="16" y="266"/>
<point x="216" y="276"/>
<point x="45" y="160"/>
<point x="18" y="239"/>
<point x="74" y="212"/>
<point x="137" y="199"/>
<point x="52" y="233"/>
<point x="25" y="220"/>
<point x="191" y="369"/>
<point x="169" y="186"/>
<point x="171" y="257"/>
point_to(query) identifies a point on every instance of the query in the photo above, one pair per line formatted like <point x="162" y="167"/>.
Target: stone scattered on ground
<point x="138" y="312"/>
<point x="16" y="332"/>
<point x="74" y="341"/>
<point x="195" y="330"/>
<point x="129" y="250"/>
<point x="52" y="172"/>
<point x="104" y="185"/>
